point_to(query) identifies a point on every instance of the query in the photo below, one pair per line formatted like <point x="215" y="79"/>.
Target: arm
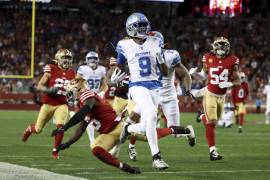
<point x="182" y="73"/>
<point x="78" y="134"/>
<point x="200" y="72"/>
<point x="78" y="117"/>
<point x="42" y="84"/>
<point x="109" y="74"/>
<point x="162" y="66"/>
<point x="235" y="76"/>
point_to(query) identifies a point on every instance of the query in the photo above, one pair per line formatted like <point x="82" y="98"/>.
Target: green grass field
<point x="246" y="155"/>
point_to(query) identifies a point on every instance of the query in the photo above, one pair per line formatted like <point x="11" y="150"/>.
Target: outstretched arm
<point x="78" y="134"/>
<point x="182" y="73"/>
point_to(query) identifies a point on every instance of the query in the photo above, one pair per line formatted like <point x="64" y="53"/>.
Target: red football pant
<point x="105" y="157"/>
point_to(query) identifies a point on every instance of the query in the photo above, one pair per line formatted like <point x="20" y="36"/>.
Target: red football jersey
<point x="59" y="78"/>
<point x="102" y="115"/>
<point x="110" y="93"/>
<point x="240" y="93"/>
<point x="219" y="70"/>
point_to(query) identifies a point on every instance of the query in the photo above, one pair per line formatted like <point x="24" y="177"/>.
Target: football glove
<point x="52" y="90"/>
<point x="117" y="76"/>
<point x="62" y="147"/>
<point x="57" y="131"/>
<point x="223" y="85"/>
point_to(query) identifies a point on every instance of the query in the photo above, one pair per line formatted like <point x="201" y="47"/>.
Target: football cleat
<point x="160" y="164"/>
<point x="214" y="156"/>
<point x="240" y="130"/>
<point x="124" y="134"/>
<point x="198" y="117"/>
<point x="132" y="153"/>
<point x="191" y="136"/>
<point x="127" y="168"/>
<point x="26" y="134"/>
<point x="55" y="153"/>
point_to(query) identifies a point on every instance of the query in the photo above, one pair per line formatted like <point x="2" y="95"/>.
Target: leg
<point x="61" y="116"/>
<point x="91" y="133"/>
<point x="45" y="114"/>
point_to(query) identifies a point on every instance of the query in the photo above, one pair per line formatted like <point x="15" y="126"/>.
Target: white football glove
<point x="193" y="70"/>
<point x="223" y="85"/>
<point x="117" y="76"/>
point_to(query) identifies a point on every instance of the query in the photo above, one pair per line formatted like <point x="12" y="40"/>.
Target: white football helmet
<point x="137" y="25"/>
<point x="92" y="59"/>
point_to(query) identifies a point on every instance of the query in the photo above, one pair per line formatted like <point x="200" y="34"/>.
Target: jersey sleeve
<point x="103" y="70"/>
<point x="204" y="58"/>
<point x="236" y="61"/>
<point x="121" y="59"/>
<point x="86" y="95"/>
<point x="81" y="71"/>
<point x="176" y="58"/>
<point x="47" y="68"/>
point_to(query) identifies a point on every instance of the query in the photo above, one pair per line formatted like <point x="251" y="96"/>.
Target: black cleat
<point x="127" y="168"/>
<point x="214" y="156"/>
<point x="240" y="130"/>
<point x="124" y="134"/>
<point x="198" y="117"/>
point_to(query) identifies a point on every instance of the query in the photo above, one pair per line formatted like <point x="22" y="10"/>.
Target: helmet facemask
<point x="65" y="62"/>
<point x="221" y="47"/>
<point x="92" y="62"/>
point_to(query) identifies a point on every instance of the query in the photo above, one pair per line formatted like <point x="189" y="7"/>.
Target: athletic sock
<point x="105" y="156"/>
<point x="59" y="137"/>
<point x="132" y="142"/>
<point x="210" y="134"/>
<point x="203" y="118"/>
<point x="241" y="119"/>
<point x="163" y="132"/>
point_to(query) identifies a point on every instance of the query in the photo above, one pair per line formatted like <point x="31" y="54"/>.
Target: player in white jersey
<point x="94" y="74"/>
<point x="266" y="91"/>
<point x="142" y="53"/>
<point x="227" y="116"/>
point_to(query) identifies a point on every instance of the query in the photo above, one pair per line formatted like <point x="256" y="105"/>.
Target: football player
<point x="107" y="123"/>
<point x="143" y="55"/>
<point x="221" y="70"/>
<point x="266" y="91"/>
<point x="239" y="96"/>
<point x="94" y="75"/>
<point x="52" y="84"/>
<point x="167" y="93"/>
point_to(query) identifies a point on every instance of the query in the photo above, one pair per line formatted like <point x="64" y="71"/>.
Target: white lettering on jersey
<point x="92" y="77"/>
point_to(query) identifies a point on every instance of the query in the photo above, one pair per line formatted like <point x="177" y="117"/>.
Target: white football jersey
<point x="141" y="59"/>
<point x="266" y="91"/>
<point x="92" y="77"/>
<point x="168" y="90"/>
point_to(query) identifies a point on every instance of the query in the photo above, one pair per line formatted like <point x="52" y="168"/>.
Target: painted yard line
<point x="188" y="172"/>
<point x="126" y="177"/>
<point x="70" y="168"/>
<point x="41" y="165"/>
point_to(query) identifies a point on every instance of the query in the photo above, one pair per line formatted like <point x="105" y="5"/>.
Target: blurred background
<point x="188" y="26"/>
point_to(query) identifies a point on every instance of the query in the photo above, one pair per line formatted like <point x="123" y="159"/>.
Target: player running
<point x="52" y="84"/>
<point x="94" y="74"/>
<point x="239" y="96"/>
<point x="142" y="53"/>
<point x="222" y="72"/>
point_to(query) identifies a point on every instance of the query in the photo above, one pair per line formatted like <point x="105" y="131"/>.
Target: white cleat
<point x="132" y="153"/>
<point x="160" y="164"/>
<point x="191" y="136"/>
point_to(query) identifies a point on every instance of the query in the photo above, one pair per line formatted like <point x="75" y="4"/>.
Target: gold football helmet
<point x="221" y="46"/>
<point x="64" y="58"/>
<point x="75" y="86"/>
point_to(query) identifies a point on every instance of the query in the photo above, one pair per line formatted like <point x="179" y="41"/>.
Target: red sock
<point x="241" y="119"/>
<point x="59" y="137"/>
<point x="210" y="134"/>
<point x="204" y="119"/>
<point x="132" y="140"/>
<point x="105" y="157"/>
<point x="33" y="129"/>
<point x="163" y="132"/>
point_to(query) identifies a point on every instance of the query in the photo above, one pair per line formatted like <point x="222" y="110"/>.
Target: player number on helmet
<point x="222" y="77"/>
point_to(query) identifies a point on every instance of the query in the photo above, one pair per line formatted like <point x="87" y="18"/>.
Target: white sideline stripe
<point x="218" y="171"/>
<point x="71" y="168"/>
<point x="40" y="165"/>
<point x="183" y="172"/>
<point x="126" y="177"/>
<point x="12" y="171"/>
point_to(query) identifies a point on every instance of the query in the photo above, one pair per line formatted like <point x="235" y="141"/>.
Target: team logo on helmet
<point x="137" y="25"/>
<point x="92" y="59"/>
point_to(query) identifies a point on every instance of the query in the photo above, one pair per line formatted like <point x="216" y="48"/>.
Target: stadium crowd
<point x="100" y="29"/>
